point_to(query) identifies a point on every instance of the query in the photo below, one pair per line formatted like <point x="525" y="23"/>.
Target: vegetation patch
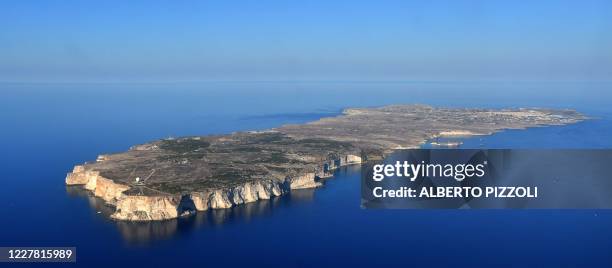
<point x="183" y="145"/>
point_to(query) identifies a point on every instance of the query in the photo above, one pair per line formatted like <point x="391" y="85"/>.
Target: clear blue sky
<point x="294" y="40"/>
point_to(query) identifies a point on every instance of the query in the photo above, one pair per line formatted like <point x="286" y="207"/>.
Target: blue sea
<point x="45" y="129"/>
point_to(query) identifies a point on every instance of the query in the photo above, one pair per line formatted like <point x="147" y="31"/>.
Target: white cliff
<point x="132" y="207"/>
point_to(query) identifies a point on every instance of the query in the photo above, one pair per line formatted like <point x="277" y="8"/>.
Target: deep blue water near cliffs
<point x="46" y="129"/>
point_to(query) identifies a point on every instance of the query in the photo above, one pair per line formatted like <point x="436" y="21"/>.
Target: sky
<point x="76" y="41"/>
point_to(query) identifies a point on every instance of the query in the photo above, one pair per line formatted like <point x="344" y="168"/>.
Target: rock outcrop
<point x="101" y="187"/>
<point x="246" y="193"/>
<point x="147" y="208"/>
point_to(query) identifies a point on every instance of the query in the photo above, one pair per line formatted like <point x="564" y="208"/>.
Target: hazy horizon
<point x="199" y="41"/>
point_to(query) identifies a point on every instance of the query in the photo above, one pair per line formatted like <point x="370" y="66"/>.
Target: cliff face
<point x="101" y="187"/>
<point x="79" y="176"/>
<point x="147" y="208"/>
<point x="246" y="193"/>
<point x="134" y="207"/>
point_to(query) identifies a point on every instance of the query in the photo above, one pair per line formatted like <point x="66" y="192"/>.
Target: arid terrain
<point x="169" y="178"/>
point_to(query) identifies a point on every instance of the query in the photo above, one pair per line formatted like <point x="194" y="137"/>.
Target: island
<point x="170" y="178"/>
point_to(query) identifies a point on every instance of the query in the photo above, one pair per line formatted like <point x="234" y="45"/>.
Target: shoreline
<point x="140" y="202"/>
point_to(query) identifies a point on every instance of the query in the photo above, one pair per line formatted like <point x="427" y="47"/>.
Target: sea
<point x="46" y="129"/>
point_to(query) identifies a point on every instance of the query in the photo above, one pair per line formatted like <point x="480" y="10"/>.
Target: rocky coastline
<point x="170" y="178"/>
<point x="168" y="206"/>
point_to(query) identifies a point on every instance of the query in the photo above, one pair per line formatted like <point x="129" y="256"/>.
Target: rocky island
<point x="169" y="178"/>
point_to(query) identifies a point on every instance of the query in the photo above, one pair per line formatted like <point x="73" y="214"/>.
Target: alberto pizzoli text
<point x="458" y="172"/>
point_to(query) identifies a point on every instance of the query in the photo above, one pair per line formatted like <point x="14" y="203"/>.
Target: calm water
<point x="46" y="129"/>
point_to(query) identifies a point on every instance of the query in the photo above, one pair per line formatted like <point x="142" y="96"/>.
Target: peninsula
<point x="169" y="178"/>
